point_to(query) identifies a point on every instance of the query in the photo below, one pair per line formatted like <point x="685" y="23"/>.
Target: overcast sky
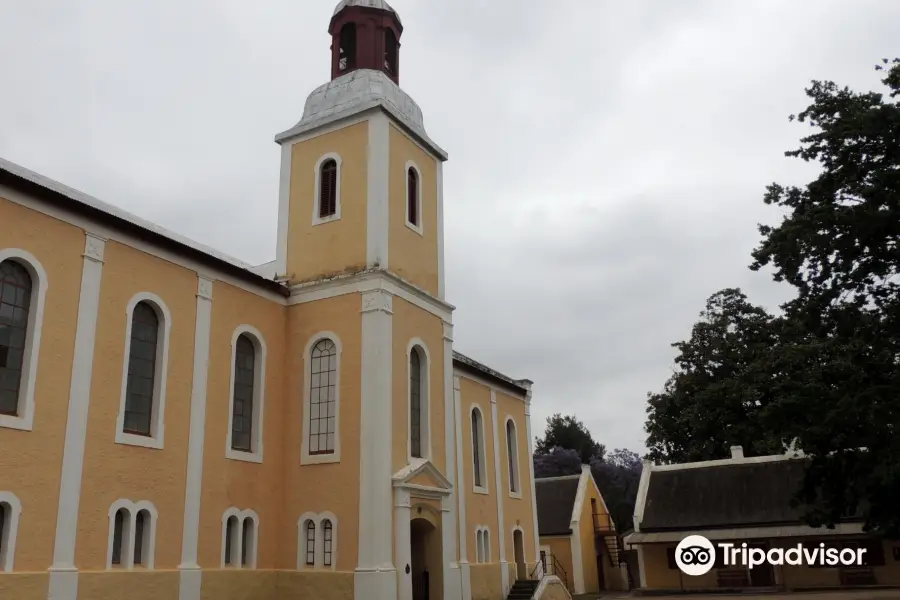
<point x="607" y="160"/>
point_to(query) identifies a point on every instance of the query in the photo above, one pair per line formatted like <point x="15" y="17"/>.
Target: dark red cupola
<point x="365" y="34"/>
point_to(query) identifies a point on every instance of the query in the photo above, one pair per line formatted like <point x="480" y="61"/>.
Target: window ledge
<point x="322" y="221"/>
<point x="131" y="439"/>
<point x="416" y="228"/>
<point x="20" y="423"/>
<point x="252" y="457"/>
<point x="517" y="495"/>
<point x="480" y="490"/>
<point x="320" y="459"/>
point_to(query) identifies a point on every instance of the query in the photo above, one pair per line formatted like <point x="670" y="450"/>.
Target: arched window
<point x="15" y="304"/>
<point x="415" y="403"/>
<point x="322" y="397"/>
<point x="139" y="522"/>
<point x="10" y="509"/>
<point x="390" y="51"/>
<point x="412" y="197"/>
<point x="478" y="457"/>
<point x="247" y="538"/>
<point x="479" y="545"/>
<point x="120" y="525"/>
<point x="231" y="529"/>
<point x="142" y="359"/>
<point x="347" y="40"/>
<point x="512" y="454"/>
<point x="242" y="408"/>
<point x="326" y="542"/>
<point x="240" y="532"/>
<point x="328" y="189"/>
<point x="310" y="543"/>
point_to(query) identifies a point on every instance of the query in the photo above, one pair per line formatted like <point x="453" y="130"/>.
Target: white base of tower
<point x="375" y="584"/>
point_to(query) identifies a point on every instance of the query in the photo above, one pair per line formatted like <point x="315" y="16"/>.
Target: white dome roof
<point x="379" y="4"/>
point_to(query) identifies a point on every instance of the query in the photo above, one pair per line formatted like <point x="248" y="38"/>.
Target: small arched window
<point x="139" y="536"/>
<point x="322" y="397"/>
<point x="15" y="304"/>
<point x="390" y="51"/>
<point x="326" y="542"/>
<point x="247" y="538"/>
<point x="347" y="40"/>
<point x="119" y="530"/>
<point x="328" y="188"/>
<point x="231" y="527"/>
<point x="310" y="543"/>
<point x="142" y="369"/>
<point x="512" y="454"/>
<point x="412" y="197"/>
<point x="478" y="458"/>
<point x="244" y="381"/>
<point x="415" y="403"/>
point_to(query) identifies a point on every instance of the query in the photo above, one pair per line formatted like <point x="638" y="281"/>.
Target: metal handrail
<point x="558" y="570"/>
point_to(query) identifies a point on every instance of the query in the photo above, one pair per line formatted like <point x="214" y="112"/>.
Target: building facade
<point x="177" y="424"/>
<point x="745" y="500"/>
<point x="578" y="539"/>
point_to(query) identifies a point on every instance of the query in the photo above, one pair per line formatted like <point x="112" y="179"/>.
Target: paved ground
<point x="844" y="595"/>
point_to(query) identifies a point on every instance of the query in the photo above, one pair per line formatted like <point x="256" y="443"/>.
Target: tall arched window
<point x="310" y="543"/>
<point x="142" y="369"/>
<point x="139" y="540"/>
<point x="415" y="403"/>
<point x="119" y="525"/>
<point x="247" y="539"/>
<point x="478" y="457"/>
<point x="390" y="51"/>
<point x="231" y="528"/>
<point x="412" y="197"/>
<point x="327" y="540"/>
<point x="328" y="189"/>
<point x="512" y="454"/>
<point x="244" y="381"/>
<point x="15" y="304"/>
<point x="322" y="398"/>
<point x="347" y="40"/>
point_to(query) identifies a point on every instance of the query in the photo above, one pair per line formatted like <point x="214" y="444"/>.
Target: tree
<point x="714" y="399"/>
<point x="557" y="463"/>
<point x="838" y="360"/>
<point x="568" y="432"/>
<point x="618" y="477"/>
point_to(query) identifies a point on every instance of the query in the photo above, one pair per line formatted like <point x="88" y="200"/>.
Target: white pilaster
<point x="377" y="205"/>
<point x="501" y="492"/>
<point x="451" y="583"/>
<point x="402" y="550"/>
<point x="375" y="577"/>
<point x="284" y="208"/>
<point x="464" y="571"/>
<point x="534" y="519"/>
<point x="440" y="226"/>
<point x="63" y="573"/>
<point x="189" y="588"/>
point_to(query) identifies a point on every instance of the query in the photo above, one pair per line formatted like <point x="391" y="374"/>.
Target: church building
<point x="176" y="424"/>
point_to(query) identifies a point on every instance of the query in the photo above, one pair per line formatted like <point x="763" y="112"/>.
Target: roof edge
<point x="473" y="366"/>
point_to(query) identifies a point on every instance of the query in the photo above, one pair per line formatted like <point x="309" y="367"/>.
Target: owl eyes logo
<point x="695" y="555"/>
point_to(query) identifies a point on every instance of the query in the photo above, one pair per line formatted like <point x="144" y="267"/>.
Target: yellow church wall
<point x="115" y="471"/>
<point x="481" y="509"/>
<point x="516" y="511"/>
<point x="330" y="487"/>
<point x="30" y="461"/>
<point x="318" y="585"/>
<point x="345" y="238"/>
<point x="485" y="582"/>
<point x="233" y="483"/>
<point x="561" y="550"/>
<point x="412" y="256"/>
<point x="24" y="586"/>
<point x="239" y="584"/>
<point x="411" y="322"/>
<point x="588" y="551"/>
<point x="136" y="585"/>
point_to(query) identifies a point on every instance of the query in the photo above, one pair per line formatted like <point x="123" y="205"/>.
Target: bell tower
<point x="365" y="34"/>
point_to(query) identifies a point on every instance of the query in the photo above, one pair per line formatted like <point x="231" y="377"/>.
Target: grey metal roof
<point x="377" y="4"/>
<point x="555" y="497"/>
<point x="522" y="385"/>
<point x="731" y="495"/>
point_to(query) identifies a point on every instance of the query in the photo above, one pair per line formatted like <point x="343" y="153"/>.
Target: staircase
<point x="523" y="589"/>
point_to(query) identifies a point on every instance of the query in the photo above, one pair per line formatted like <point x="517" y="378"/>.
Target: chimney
<point x="737" y="452"/>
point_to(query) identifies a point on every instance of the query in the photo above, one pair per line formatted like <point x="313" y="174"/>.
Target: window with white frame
<point x="322" y="399"/>
<point x="512" y="454"/>
<point x="328" y="189"/>
<point x="413" y="197"/>
<point x="142" y="407"/>
<point x="317" y="541"/>
<point x="10" y="509"/>
<point x="248" y="368"/>
<point x="23" y="286"/>
<point x="418" y="401"/>
<point x="132" y="535"/>
<point x="482" y="545"/>
<point x="479" y="462"/>
<point x="240" y="538"/>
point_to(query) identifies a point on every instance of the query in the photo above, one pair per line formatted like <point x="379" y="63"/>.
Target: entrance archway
<point x="519" y="552"/>
<point x="425" y="546"/>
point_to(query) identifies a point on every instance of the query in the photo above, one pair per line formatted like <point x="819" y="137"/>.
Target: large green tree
<point x="568" y="432"/>
<point x="825" y="374"/>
